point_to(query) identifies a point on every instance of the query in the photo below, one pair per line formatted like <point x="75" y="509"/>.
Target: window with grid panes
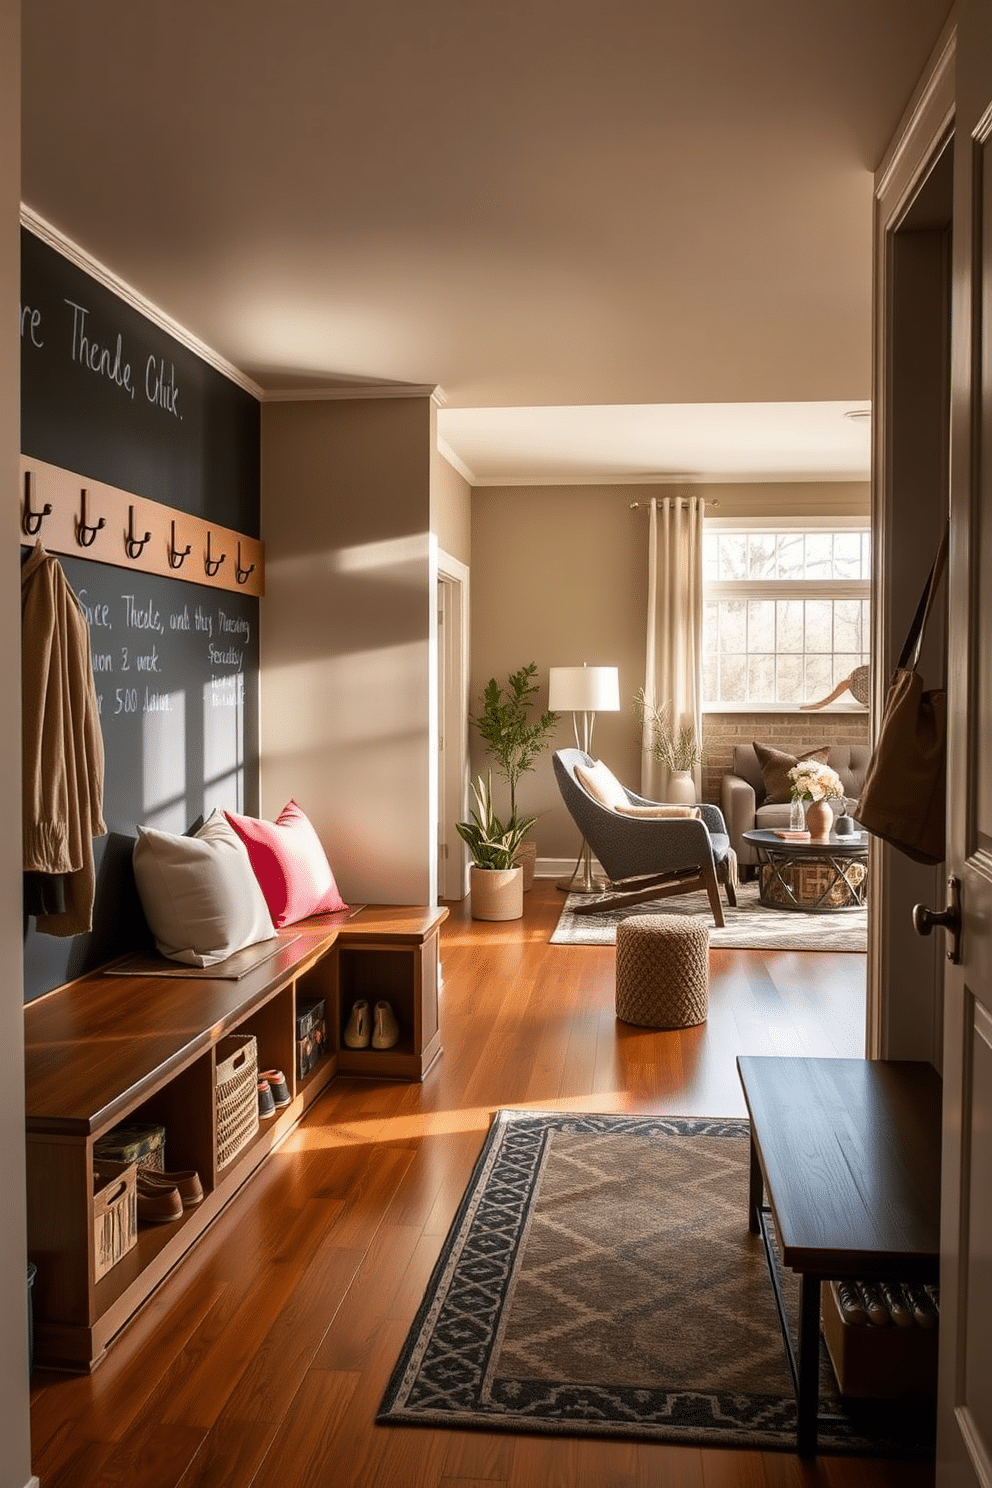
<point x="786" y="612"/>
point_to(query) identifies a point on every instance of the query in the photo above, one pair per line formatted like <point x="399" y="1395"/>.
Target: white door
<point x="965" y="1441"/>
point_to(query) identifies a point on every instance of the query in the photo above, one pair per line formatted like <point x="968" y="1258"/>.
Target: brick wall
<point x="792" y="732"/>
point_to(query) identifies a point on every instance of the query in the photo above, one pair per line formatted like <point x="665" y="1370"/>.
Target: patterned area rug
<point x="599" y="1280"/>
<point x="751" y="926"/>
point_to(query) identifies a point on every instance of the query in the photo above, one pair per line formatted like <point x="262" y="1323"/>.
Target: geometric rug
<point x="599" y="1279"/>
<point x="749" y="926"/>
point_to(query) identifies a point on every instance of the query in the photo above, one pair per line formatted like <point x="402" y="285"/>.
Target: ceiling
<point x="627" y="242"/>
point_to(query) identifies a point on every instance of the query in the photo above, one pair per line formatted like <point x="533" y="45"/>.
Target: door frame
<point x="454" y="655"/>
<point x="910" y="1028"/>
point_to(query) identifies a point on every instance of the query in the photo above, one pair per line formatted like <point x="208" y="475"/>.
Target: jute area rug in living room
<point x="599" y="1279"/>
<point x="751" y="926"/>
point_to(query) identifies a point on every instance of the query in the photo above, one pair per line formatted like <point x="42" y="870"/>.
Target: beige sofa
<point x="742" y="793"/>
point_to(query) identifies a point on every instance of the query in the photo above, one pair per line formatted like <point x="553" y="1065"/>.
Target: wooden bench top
<point x="90" y="1044"/>
<point x="850" y="1153"/>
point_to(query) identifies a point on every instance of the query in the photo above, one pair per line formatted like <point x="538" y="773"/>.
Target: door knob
<point x="926" y="919"/>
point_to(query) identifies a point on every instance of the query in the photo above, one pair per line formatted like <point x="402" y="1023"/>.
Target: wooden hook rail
<point x="84" y="518"/>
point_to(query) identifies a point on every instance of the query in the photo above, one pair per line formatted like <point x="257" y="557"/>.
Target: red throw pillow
<point x="290" y="864"/>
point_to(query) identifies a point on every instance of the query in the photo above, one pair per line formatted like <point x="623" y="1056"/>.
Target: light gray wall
<point x="347" y="637"/>
<point x="15" y="1452"/>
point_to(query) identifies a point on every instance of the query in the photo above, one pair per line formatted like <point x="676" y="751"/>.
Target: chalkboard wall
<point x="106" y="393"/>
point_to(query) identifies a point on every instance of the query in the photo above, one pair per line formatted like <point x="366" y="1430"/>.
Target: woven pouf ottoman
<point x="662" y="971"/>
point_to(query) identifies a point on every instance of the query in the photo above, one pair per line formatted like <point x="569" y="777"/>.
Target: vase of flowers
<point x="812" y="787"/>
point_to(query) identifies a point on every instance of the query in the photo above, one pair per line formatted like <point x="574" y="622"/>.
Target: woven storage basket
<point x="662" y="971"/>
<point x="809" y="883"/>
<point x="115" y="1214"/>
<point x="237" y="1095"/>
<point x="133" y="1142"/>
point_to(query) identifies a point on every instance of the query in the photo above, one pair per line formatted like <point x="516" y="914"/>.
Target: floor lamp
<point x="584" y="691"/>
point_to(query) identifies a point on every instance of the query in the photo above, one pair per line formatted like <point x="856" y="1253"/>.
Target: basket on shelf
<point x="115" y="1213"/>
<point x="236" y="1095"/>
<point x="133" y="1142"/>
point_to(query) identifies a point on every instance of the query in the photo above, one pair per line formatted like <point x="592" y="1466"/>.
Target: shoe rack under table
<point x="109" y="1048"/>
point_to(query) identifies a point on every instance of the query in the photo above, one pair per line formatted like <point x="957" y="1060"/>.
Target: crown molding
<point x="83" y="260"/>
<point x="343" y="392"/>
<point x="447" y="453"/>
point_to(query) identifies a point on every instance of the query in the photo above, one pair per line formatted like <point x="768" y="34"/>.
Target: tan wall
<point x="559" y="576"/>
<point x="451" y="510"/>
<point x="15" y="1458"/>
<point x="347" y="656"/>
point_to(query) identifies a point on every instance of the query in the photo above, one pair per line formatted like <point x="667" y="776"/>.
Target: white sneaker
<point x="359" y="1029"/>
<point x="386" y="1031"/>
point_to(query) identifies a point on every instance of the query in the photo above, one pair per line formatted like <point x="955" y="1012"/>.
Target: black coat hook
<point x="242" y="574"/>
<point x="31" y="520"/>
<point x="133" y="544"/>
<point x="85" y="533"/>
<point x="211" y="565"/>
<point x="177" y="557"/>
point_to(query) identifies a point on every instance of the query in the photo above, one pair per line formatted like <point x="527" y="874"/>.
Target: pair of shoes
<point x="183" y="1182"/>
<point x="266" y="1100"/>
<point x="278" y="1086"/>
<point x="380" y="1029"/>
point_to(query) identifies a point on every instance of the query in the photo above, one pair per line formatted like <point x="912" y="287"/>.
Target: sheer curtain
<point x="674" y="656"/>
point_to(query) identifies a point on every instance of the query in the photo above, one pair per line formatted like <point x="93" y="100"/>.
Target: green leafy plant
<point x="676" y="748"/>
<point x="506" y="728"/>
<point x="492" y="842"/>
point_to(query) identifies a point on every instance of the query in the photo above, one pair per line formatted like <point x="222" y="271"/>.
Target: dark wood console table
<point x="848" y="1153"/>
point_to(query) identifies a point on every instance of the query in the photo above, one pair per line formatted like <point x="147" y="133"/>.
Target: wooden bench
<point x="111" y="1048"/>
<point x="848" y="1152"/>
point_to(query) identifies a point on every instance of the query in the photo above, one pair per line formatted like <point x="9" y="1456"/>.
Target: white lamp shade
<point x="584" y="689"/>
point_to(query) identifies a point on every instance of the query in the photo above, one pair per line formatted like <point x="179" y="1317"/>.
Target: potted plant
<point x="678" y="749"/>
<point x="497" y="880"/>
<point x="514" y="738"/>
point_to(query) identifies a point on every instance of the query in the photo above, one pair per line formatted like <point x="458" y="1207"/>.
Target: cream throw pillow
<point x="601" y="783"/>
<point x="672" y="812"/>
<point x="201" y="899"/>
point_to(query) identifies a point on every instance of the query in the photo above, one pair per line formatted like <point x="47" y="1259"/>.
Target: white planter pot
<point x="497" y="893"/>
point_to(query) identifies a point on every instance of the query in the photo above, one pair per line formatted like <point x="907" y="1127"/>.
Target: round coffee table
<point x="814" y="877"/>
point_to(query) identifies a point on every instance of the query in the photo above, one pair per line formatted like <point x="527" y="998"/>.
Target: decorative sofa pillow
<point x="775" y="767"/>
<point x="601" y="783"/>
<point x="662" y="810"/>
<point x="290" y="865"/>
<point x="200" y="896"/>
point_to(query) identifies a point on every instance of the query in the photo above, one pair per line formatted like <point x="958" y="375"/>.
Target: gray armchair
<point x="648" y="857"/>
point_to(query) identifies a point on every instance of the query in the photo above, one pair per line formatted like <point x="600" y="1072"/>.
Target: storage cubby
<point x="159" y="1066"/>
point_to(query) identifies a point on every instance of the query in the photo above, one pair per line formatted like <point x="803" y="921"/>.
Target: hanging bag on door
<point x="904" y="795"/>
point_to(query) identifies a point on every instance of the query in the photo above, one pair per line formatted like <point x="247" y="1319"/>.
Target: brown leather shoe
<point x="157" y="1204"/>
<point x="186" y="1181"/>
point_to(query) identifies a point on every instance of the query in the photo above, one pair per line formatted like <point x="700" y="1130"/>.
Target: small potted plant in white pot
<point x="515" y="739"/>
<point x="496" y="878"/>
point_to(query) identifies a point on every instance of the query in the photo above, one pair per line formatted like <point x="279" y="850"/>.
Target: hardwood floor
<point x="263" y="1360"/>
